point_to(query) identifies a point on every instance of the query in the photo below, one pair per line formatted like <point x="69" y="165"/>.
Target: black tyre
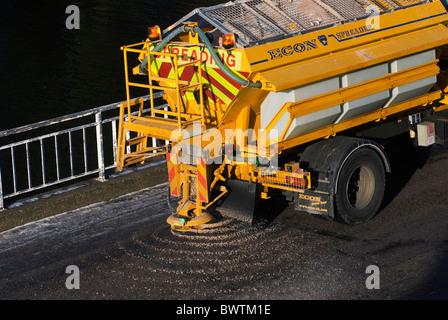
<point x="361" y="187"/>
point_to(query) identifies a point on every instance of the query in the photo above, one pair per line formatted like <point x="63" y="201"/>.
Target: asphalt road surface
<point x="124" y="249"/>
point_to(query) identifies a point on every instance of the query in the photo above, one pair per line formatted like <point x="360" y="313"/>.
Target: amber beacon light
<point x="154" y="33"/>
<point x="228" y="41"/>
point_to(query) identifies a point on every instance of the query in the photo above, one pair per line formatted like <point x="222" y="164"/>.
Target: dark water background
<point x="49" y="71"/>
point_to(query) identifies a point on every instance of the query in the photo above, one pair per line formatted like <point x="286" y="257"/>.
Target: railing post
<point x="2" y="207"/>
<point x="99" y="146"/>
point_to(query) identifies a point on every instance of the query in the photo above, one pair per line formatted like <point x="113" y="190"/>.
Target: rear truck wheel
<point x="360" y="187"/>
<point x="348" y="170"/>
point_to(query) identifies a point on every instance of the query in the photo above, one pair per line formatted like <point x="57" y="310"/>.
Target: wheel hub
<point x="361" y="187"/>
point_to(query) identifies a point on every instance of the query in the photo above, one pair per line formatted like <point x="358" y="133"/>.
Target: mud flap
<point x="315" y="203"/>
<point x="240" y="201"/>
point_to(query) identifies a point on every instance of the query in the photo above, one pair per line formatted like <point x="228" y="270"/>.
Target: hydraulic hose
<point x="160" y="46"/>
<point x="244" y="82"/>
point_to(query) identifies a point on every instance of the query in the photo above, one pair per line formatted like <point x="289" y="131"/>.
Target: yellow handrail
<point x="178" y="84"/>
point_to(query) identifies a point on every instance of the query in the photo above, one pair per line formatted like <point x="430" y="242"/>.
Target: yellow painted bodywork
<point x="279" y="66"/>
<point x="403" y="32"/>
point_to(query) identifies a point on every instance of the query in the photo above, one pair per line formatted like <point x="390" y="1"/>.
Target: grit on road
<point x="125" y="250"/>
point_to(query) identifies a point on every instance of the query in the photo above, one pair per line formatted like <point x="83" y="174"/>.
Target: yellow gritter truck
<point x="284" y="95"/>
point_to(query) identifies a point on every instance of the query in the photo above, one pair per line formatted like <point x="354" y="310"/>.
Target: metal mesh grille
<point x="349" y="9"/>
<point x="309" y="14"/>
<point x="249" y="25"/>
<point x="386" y="5"/>
<point x="255" y="21"/>
<point x="269" y="12"/>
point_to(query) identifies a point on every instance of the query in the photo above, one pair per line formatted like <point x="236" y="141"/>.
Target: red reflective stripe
<point x="172" y="173"/>
<point x="218" y="85"/>
<point x="202" y="180"/>
<point x="188" y="73"/>
<point x="165" y="69"/>
<point x="232" y="82"/>
<point x="202" y="197"/>
<point x="211" y="96"/>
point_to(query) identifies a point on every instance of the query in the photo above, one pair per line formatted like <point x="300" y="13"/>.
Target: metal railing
<point x="60" y="150"/>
